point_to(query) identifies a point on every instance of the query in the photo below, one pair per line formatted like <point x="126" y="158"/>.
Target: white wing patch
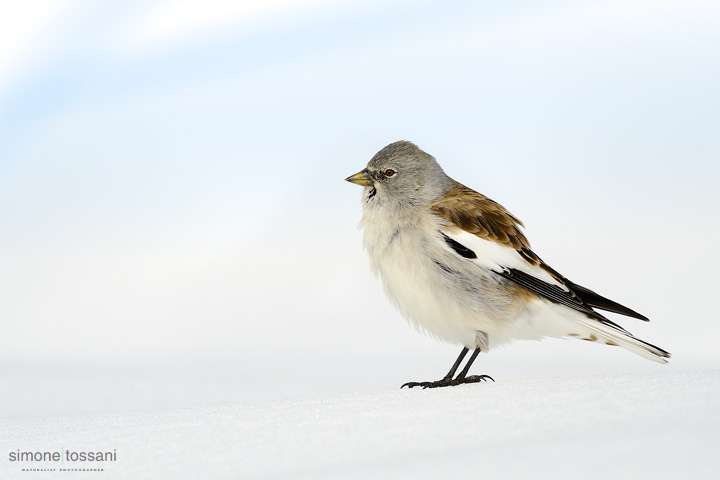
<point x="499" y="258"/>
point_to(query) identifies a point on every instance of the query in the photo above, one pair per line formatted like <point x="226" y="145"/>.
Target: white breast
<point x="404" y="256"/>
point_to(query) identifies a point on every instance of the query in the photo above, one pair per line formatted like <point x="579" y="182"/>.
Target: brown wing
<point x="485" y="218"/>
<point x="475" y="213"/>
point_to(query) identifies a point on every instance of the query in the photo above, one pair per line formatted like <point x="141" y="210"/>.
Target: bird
<point x="458" y="266"/>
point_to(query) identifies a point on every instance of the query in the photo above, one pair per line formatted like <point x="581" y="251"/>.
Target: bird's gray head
<point x="403" y="175"/>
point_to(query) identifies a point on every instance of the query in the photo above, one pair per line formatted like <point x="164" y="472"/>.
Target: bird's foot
<point x="449" y="382"/>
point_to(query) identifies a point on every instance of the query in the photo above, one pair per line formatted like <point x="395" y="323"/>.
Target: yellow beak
<point x="361" y="178"/>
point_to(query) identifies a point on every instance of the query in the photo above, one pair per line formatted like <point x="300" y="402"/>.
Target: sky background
<point x="174" y="219"/>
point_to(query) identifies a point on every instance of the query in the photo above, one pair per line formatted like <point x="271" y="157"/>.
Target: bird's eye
<point x="389" y="172"/>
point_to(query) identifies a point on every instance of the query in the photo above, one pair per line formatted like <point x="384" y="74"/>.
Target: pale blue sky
<point x="175" y="168"/>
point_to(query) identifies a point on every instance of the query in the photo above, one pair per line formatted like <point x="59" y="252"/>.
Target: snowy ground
<point x="655" y="425"/>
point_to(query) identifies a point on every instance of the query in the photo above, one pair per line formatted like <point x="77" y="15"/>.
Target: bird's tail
<point x="597" y="331"/>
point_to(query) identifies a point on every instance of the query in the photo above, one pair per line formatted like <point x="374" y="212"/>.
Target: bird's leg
<point x="448" y="379"/>
<point x="462" y="376"/>
<point x="455" y="366"/>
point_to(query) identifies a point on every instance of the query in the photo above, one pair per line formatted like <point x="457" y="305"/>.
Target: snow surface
<point x="661" y="425"/>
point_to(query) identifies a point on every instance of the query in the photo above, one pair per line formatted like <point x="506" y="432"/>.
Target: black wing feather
<point x="547" y="290"/>
<point x="555" y="294"/>
<point x="577" y="297"/>
<point x="598" y="301"/>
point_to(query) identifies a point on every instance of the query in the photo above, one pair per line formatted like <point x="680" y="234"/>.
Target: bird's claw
<point x="478" y="378"/>
<point x="449" y="382"/>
